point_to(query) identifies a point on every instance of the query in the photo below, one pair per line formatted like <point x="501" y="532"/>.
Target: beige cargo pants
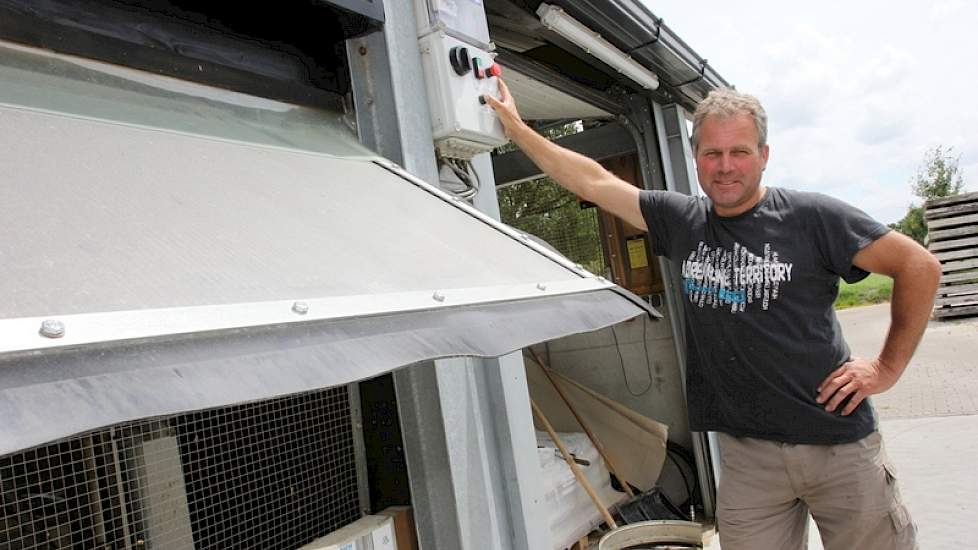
<point x="767" y="490"/>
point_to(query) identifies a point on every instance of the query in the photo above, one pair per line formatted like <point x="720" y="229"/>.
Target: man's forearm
<point x="573" y="171"/>
<point x="910" y="308"/>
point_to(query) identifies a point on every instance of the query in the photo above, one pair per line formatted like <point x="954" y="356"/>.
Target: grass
<point x="874" y="289"/>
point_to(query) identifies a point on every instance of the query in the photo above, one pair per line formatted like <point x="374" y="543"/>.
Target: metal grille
<point x="271" y="474"/>
<point x="548" y="211"/>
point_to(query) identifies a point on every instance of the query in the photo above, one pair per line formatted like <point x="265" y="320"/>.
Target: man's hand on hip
<point x="856" y="380"/>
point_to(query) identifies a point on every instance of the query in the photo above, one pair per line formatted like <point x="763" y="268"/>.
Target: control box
<point x="457" y="75"/>
<point x="465" y="18"/>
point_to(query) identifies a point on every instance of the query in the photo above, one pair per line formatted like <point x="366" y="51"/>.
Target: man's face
<point x="730" y="164"/>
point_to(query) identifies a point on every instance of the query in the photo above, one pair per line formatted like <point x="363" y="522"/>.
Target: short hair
<point x="727" y="102"/>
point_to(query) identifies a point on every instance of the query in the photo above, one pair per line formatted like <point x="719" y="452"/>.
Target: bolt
<point x="363" y="50"/>
<point x="51" y="328"/>
<point x="438" y="296"/>
<point x="300" y="307"/>
<point x="541" y="286"/>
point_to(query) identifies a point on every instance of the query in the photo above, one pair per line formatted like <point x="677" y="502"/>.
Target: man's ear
<point x="765" y="153"/>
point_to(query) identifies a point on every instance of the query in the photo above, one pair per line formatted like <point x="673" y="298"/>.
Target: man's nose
<point x="726" y="162"/>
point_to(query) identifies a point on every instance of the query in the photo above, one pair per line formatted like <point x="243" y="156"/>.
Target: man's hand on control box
<point x="505" y="107"/>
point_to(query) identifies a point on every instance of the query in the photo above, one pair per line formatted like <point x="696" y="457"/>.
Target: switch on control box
<point x="457" y="75"/>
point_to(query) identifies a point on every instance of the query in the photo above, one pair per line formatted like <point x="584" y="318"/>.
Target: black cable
<point x="691" y="488"/>
<point x="686" y="484"/>
<point x="621" y="363"/>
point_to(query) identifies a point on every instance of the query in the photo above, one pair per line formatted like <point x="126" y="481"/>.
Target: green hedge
<point x="874" y="289"/>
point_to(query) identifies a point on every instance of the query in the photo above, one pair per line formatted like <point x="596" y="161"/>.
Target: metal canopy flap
<point x="100" y="217"/>
<point x="59" y="393"/>
<point x="190" y="271"/>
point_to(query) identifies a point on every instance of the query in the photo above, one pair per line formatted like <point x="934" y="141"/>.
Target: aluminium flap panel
<point x="191" y="272"/>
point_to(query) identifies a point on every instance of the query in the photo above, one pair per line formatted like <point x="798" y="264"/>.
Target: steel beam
<point x="677" y="155"/>
<point x="467" y="430"/>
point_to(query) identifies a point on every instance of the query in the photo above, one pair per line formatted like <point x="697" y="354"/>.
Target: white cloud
<point x="856" y="92"/>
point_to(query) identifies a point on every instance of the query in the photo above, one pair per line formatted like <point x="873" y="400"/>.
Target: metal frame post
<point x="466" y="424"/>
<point x="677" y="154"/>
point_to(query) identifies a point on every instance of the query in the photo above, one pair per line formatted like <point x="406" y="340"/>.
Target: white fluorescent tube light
<point x="558" y="21"/>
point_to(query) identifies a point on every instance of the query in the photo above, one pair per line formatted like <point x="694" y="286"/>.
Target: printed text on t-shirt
<point x="720" y="277"/>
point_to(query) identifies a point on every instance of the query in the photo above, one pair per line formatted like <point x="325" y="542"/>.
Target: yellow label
<point x="637" y="256"/>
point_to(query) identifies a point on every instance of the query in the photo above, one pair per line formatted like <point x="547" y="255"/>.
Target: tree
<point x="913" y="224"/>
<point x="546" y="210"/>
<point x="937" y="177"/>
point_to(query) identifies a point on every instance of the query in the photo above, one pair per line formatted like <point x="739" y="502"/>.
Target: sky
<point x="856" y="92"/>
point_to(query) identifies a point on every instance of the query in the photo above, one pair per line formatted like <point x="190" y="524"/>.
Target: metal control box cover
<point x="461" y="125"/>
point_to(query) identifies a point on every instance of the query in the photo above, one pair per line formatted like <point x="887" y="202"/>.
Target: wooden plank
<point x="966" y="265"/>
<point x="959" y="266"/>
<point x="949" y="222"/>
<point x="955" y="312"/>
<point x="953" y="233"/>
<point x="951" y="290"/>
<point x="958" y="254"/>
<point x="949" y="211"/>
<point x="960" y="277"/>
<point x="964" y="197"/>
<point x="955" y="243"/>
<point x="952" y="301"/>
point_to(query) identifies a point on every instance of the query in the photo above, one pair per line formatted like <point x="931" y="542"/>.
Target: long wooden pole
<point x="574" y="467"/>
<point x="594" y="439"/>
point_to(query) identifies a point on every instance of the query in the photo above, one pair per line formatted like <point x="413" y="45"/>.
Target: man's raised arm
<point x="578" y="174"/>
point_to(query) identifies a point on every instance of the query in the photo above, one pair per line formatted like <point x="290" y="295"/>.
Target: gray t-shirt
<point x="761" y="332"/>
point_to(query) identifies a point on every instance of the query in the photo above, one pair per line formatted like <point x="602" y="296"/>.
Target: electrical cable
<point x="621" y="362"/>
<point x="693" y="497"/>
<point x="466" y="174"/>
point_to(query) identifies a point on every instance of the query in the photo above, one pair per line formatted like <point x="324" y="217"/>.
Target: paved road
<point x="929" y="421"/>
<point x="942" y="379"/>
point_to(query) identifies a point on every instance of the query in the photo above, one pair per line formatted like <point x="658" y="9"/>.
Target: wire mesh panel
<point x="270" y="474"/>
<point x="546" y="210"/>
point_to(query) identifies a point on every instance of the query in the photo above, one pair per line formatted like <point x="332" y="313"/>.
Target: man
<point x="767" y="365"/>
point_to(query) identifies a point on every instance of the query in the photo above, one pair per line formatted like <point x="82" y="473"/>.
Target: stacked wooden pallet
<point x="952" y="225"/>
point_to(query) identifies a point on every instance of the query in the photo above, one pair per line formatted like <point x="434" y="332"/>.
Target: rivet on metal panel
<point x="541" y="286"/>
<point x="300" y="307"/>
<point x="363" y="50"/>
<point x="438" y="296"/>
<point x="52" y="329"/>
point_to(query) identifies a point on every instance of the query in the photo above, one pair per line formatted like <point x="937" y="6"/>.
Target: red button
<point x="495" y="70"/>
